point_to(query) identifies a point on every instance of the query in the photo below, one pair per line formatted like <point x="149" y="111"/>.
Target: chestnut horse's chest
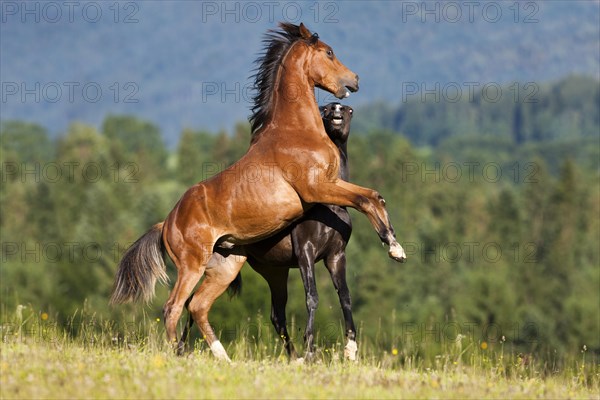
<point x="313" y="158"/>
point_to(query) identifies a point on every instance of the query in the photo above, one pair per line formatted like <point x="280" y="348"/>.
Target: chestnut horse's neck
<point x="293" y="100"/>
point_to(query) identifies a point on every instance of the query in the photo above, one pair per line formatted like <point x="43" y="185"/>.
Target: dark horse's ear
<point x="314" y="39"/>
<point x="304" y="32"/>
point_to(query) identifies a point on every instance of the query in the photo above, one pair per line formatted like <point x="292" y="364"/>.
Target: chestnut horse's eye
<point x="330" y="53"/>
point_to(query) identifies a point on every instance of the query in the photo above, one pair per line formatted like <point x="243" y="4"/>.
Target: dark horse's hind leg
<point x="186" y="330"/>
<point x="306" y="264"/>
<point x="336" y="264"/>
<point x="277" y="278"/>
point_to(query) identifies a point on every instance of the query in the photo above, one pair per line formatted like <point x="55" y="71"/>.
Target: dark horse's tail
<point x="235" y="287"/>
<point x="140" y="267"/>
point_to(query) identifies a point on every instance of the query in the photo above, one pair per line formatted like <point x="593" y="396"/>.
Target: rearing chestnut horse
<point x="290" y="165"/>
<point x="321" y="234"/>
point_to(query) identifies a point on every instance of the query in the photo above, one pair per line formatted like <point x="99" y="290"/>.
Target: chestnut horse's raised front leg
<point x="367" y="201"/>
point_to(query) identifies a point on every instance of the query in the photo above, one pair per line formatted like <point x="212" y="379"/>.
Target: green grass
<point x="101" y="360"/>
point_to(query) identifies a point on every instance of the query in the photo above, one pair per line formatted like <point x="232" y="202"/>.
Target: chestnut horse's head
<point x="336" y="119"/>
<point x="295" y="48"/>
<point x="326" y="71"/>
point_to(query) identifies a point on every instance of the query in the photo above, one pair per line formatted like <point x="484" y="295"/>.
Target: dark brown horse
<point x="290" y="165"/>
<point x="321" y="234"/>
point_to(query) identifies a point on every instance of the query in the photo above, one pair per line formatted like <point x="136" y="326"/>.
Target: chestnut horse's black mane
<point x="276" y="45"/>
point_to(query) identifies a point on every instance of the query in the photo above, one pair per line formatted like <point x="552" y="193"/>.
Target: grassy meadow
<point x="96" y="359"/>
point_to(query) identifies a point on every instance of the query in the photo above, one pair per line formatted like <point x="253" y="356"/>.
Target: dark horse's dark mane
<point x="276" y="45"/>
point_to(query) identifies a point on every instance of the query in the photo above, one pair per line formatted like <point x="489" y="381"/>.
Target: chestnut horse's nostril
<point x="356" y="77"/>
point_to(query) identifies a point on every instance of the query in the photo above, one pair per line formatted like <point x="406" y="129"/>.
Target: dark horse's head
<point x="336" y="118"/>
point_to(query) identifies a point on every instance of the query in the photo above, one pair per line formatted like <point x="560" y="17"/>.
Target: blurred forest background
<point x="496" y="203"/>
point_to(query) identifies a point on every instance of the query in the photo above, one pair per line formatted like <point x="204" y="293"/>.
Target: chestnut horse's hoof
<point x="397" y="253"/>
<point x="219" y="352"/>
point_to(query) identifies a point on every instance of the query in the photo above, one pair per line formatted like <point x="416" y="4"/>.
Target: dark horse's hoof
<point x="180" y="349"/>
<point x="309" y="357"/>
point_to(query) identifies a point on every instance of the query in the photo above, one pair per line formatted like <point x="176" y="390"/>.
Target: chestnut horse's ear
<point x="304" y="31"/>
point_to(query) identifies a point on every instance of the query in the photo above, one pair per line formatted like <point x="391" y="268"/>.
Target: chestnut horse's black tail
<point x="139" y="269"/>
<point x="235" y="287"/>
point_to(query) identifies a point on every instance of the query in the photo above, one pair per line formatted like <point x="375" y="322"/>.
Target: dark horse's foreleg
<point x="277" y="278"/>
<point x="336" y="264"/>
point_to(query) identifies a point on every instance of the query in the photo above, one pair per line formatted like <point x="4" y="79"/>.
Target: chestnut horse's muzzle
<point x="347" y="86"/>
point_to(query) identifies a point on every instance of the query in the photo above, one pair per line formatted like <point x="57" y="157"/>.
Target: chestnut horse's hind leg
<point x="220" y="272"/>
<point x="336" y="264"/>
<point x="190" y="270"/>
